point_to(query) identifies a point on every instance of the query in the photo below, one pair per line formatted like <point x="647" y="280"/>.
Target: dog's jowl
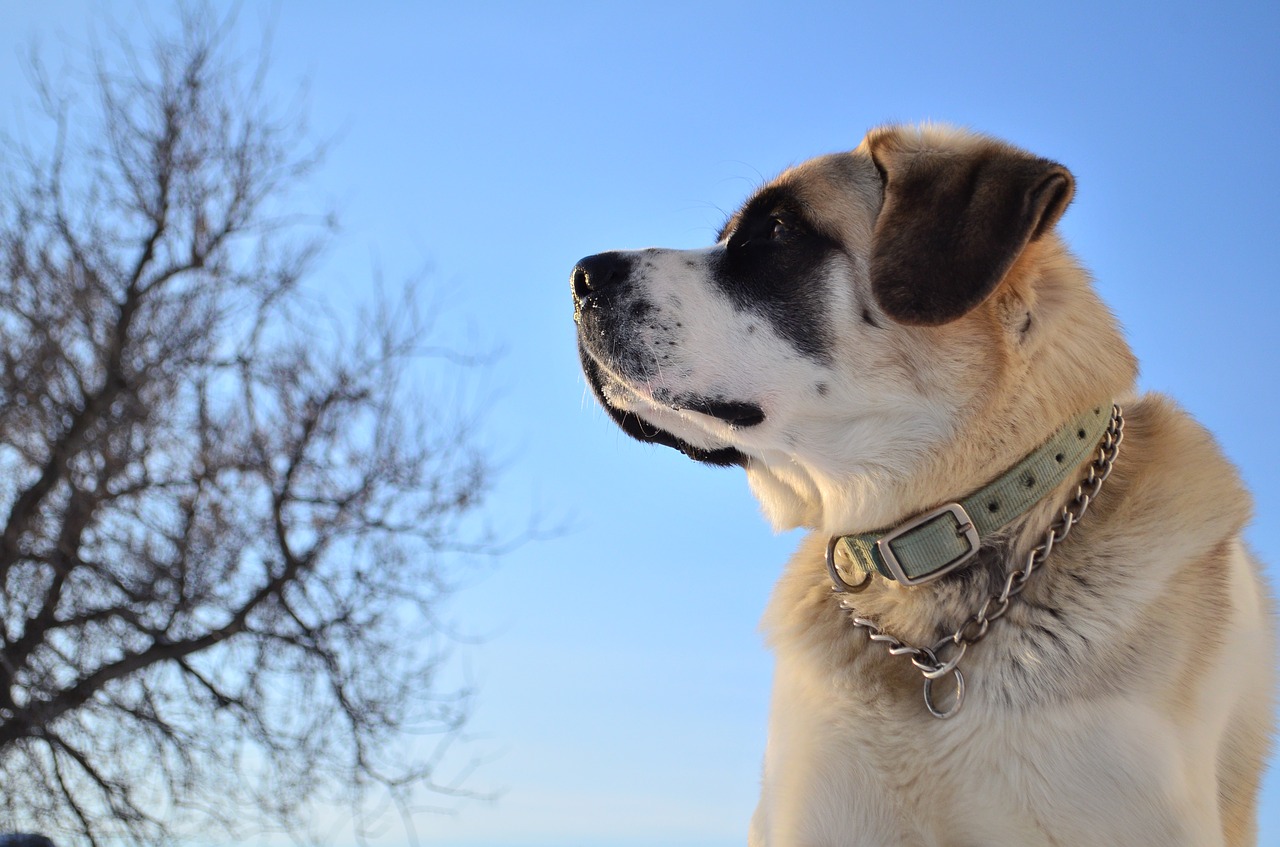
<point x="1025" y="615"/>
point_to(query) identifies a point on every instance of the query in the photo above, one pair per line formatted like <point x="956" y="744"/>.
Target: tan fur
<point x="1151" y="610"/>
<point x="1125" y="698"/>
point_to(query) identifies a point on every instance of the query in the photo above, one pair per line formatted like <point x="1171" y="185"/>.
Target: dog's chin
<point x="633" y="424"/>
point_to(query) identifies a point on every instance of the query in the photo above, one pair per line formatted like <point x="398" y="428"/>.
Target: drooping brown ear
<point x="954" y="221"/>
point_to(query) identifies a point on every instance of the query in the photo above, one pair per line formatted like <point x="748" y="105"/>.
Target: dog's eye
<point x="761" y="229"/>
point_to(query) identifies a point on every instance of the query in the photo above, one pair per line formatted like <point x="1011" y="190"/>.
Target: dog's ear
<point x="954" y="220"/>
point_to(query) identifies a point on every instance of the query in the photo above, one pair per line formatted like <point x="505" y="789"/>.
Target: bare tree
<point x="226" y="523"/>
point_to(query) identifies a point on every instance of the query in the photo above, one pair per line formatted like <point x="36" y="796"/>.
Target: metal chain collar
<point x="930" y="661"/>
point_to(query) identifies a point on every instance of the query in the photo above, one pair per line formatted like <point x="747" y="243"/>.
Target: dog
<point x="1025" y="614"/>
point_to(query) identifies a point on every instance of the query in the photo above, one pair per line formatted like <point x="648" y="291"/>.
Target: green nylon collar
<point x="940" y="540"/>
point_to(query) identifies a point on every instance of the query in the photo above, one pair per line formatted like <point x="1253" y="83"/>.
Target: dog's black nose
<point x="598" y="273"/>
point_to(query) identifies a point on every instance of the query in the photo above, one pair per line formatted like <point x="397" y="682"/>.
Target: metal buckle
<point x="966" y="531"/>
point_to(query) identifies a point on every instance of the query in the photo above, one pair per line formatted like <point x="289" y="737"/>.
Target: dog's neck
<point x="906" y="476"/>
<point x="948" y="536"/>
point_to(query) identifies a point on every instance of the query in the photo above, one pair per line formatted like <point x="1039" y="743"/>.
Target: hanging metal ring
<point x="955" y="707"/>
<point x="837" y="580"/>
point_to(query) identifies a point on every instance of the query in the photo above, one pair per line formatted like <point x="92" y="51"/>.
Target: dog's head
<point x="857" y="327"/>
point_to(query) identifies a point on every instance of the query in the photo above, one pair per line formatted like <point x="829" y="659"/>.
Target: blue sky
<point x="623" y="683"/>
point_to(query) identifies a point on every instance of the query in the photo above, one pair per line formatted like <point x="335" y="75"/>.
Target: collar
<point x="939" y="541"/>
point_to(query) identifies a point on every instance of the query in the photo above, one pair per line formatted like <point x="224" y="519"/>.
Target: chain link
<point x="930" y="661"/>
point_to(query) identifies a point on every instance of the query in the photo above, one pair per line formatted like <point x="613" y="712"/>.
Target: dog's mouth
<point x="733" y="412"/>
<point x="642" y="430"/>
<point x="739" y="414"/>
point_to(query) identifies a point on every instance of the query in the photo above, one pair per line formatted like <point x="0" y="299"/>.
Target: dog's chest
<point x="852" y="766"/>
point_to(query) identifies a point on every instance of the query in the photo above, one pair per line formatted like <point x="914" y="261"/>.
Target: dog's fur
<point x="882" y="331"/>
